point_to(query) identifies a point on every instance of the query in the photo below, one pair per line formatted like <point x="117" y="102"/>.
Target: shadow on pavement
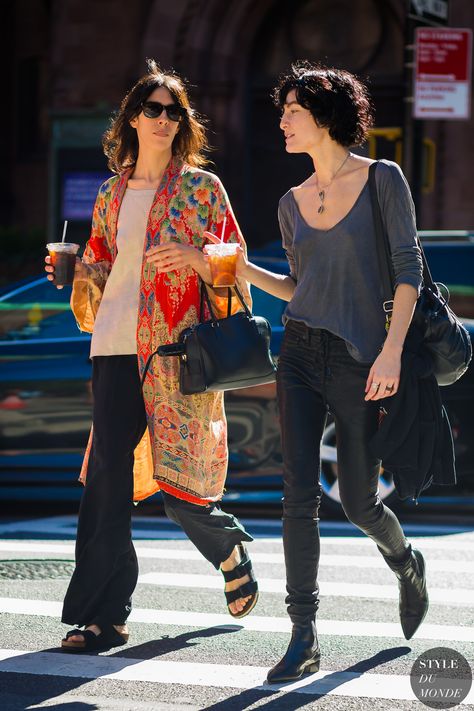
<point x="313" y="690"/>
<point x="20" y="696"/>
<point x="166" y="644"/>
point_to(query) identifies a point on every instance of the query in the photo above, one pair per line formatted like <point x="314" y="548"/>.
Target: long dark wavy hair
<point x="337" y="99"/>
<point x="120" y="141"/>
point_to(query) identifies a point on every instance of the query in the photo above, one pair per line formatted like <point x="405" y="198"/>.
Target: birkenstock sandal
<point x="108" y="638"/>
<point x="249" y="589"/>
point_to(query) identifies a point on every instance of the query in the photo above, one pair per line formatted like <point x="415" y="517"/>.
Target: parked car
<point x="46" y="400"/>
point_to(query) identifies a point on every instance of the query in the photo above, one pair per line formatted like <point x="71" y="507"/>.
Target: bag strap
<point x="176" y="348"/>
<point x="381" y="242"/>
<point x="383" y="246"/>
<point x="205" y="297"/>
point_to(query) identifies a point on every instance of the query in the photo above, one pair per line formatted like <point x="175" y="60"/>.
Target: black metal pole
<point x="413" y="155"/>
<point x="408" y="68"/>
<point x="412" y="129"/>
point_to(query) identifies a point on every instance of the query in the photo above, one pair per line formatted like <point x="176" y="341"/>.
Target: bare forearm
<point x="280" y="285"/>
<point x="404" y="302"/>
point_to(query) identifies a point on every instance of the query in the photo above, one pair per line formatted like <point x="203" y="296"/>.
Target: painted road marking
<point x="338" y="561"/>
<point x="332" y="683"/>
<point x="452" y="596"/>
<point x="333" y="628"/>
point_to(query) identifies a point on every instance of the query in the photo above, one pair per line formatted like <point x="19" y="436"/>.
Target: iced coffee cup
<point x="222" y="262"/>
<point x="63" y="259"/>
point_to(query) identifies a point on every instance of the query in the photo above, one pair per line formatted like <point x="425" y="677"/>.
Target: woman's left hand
<point x="384" y="376"/>
<point x="173" y="255"/>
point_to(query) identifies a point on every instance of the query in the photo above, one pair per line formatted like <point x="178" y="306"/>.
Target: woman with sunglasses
<point x="137" y="287"/>
<point x="336" y="354"/>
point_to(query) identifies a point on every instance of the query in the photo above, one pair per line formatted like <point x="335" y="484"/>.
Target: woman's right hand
<point x="242" y="262"/>
<point x="80" y="270"/>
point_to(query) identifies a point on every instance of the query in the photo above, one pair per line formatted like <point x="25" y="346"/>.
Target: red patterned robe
<point x="184" y="450"/>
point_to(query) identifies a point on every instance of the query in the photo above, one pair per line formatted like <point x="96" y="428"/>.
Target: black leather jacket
<point x="414" y="440"/>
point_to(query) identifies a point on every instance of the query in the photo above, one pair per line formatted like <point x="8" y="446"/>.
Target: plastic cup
<point x="63" y="259"/>
<point x="223" y="262"/>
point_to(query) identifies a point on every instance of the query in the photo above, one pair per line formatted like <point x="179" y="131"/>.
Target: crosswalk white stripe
<point x="326" y="561"/>
<point x="340" y="561"/>
<point x="11" y="546"/>
<point x="457" y="596"/>
<point x="375" y="561"/>
<point x="255" y="623"/>
<point x="445" y="542"/>
<point x="452" y="543"/>
<point x="333" y="683"/>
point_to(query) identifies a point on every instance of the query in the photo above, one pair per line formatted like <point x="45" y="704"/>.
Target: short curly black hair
<point x="337" y="99"/>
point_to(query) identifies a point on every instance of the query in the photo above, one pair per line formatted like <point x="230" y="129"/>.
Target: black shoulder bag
<point x="444" y="337"/>
<point x="222" y="354"/>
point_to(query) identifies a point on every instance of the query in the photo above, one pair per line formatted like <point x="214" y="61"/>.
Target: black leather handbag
<point x="444" y="337"/>
<point x="223" y="354"/>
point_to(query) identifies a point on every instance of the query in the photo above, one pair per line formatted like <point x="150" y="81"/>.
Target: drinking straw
<point x="223" y="228"/>
<point x="212" y="238"/>
<point x="64" y="230"/>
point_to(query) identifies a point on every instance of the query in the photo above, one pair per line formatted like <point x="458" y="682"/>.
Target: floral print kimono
<point x="184" y="449"/>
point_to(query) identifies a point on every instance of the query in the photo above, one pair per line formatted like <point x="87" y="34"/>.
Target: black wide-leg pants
<point x="106" y="570"/>
<point x="316" y="374"/>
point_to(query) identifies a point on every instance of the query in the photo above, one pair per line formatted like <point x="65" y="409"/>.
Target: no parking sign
<point x="443" y="73"/>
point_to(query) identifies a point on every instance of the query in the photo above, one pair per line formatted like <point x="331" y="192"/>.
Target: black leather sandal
<point x="249" y="589"/>
<point x="108" y="638"/>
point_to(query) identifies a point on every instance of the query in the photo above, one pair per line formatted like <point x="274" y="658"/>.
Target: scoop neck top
<point x="336" y="271"/>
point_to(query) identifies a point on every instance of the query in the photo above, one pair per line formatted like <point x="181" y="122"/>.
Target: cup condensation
<point x="222" y="262"/>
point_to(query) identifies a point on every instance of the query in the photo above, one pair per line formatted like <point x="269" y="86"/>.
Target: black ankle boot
<point x="413" y="593"/>
<point x="302" y="656"/>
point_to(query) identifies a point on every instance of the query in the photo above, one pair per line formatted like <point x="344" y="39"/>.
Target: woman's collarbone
<point x="337" y="205"/>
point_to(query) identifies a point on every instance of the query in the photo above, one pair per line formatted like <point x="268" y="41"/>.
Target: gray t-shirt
<point x="336" y="271"/>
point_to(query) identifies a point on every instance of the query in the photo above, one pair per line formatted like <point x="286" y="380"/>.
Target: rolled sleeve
<point x="408" y="266"/>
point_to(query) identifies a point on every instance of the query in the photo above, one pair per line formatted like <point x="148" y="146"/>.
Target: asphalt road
<point x="185" y="653"/>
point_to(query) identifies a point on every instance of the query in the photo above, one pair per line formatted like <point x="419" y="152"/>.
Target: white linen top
<point x="115" y="328"/>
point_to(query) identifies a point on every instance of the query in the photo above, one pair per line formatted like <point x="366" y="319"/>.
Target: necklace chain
<point x="322" y="191"/>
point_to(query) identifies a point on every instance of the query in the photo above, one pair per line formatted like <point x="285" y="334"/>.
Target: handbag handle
<point x="178" y="349"/>
<point x="205" y="297"/>
<point x="383" y="246"/>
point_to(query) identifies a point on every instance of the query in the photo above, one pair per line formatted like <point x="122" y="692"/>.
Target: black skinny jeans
<point x="106" y="571"/>
<point x="316" y="375"/>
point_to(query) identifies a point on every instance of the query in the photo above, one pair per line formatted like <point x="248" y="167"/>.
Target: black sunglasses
<point x="153" y="109"/>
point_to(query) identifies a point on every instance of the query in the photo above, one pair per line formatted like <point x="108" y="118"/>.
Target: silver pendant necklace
<point x="322" y="190"/>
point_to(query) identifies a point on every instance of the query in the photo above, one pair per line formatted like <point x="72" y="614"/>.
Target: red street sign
<point x="443" y="73"/>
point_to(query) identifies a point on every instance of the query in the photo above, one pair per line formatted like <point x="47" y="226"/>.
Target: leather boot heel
<point x="314" y="667"/>
<point x="302" y="656"/>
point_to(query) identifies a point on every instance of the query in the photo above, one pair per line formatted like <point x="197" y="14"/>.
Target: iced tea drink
<point x="63" y="259"/>
<point x="222" y="262"/>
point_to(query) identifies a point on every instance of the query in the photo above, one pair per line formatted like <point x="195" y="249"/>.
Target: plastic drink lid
<point x="223" y="249"/>
<point x="62" y="246"/>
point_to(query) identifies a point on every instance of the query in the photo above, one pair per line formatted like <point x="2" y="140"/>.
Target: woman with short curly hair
<point x="336" y="355"/>
<point x="138" y="286"/>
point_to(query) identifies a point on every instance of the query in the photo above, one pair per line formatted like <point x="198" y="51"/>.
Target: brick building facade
<point x="73" y="60"/>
